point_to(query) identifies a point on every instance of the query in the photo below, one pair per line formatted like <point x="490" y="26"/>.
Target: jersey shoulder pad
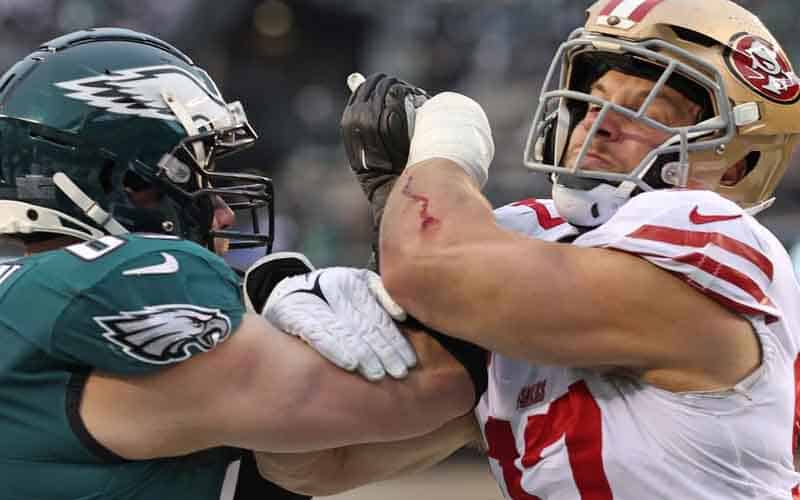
<point x="705" y="239"/>
<point x="533" y="217"/>
<point x="130" y="304"/>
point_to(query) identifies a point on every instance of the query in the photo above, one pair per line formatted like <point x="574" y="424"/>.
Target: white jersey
<point x="556" y="433"/>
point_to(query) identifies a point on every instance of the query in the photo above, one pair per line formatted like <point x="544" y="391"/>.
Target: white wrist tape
<point x="454" y="127"/>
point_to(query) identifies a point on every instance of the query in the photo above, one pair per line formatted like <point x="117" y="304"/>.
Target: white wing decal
<point x="138" y="92"/>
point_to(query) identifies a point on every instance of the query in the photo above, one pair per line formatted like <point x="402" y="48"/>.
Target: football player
<point x="644" y="326"/>
<point x="130" y="367"/>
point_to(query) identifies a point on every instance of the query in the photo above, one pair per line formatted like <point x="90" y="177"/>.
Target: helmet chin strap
<point x="87" y="205"/>
<point x="15" y="219"/>
<point x="757" y="209"/>
<point x="590" y="207"/>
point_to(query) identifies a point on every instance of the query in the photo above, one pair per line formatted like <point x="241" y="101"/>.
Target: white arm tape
<point x="454" y="127"/>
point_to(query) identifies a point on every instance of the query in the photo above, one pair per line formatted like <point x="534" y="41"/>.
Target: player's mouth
<point x="594" y="161"/>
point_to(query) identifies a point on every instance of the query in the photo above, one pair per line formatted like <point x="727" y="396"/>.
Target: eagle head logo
<point x="166" y="334"/>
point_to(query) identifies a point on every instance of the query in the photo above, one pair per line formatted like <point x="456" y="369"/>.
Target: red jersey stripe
<point x="503" y="448"/>
<point x="726" y="273"/>
<point x="546" y="220"/>
<point x="699" y="239"/>
<point x="728" y="303"/>
<point x="718" y="297"/>
<point x="610" y="7"/>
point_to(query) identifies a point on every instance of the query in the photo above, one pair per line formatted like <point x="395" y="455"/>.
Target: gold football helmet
<point x="713" y="51"/>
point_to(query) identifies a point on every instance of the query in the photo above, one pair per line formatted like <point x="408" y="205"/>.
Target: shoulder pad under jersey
<point x="705" y="239"/>
<point x="127" y="304"/>
<point x="536" y="218"/>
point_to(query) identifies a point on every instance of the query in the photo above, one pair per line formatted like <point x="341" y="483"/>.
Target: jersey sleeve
<point x="708" y="241"/>
<point x="155" y="305"/>
<point x="535" y="218"/>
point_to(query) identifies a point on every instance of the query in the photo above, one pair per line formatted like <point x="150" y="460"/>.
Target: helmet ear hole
<point x="741" y="169"/>
<point x="134" y="181"/>
<point x="750" y="161"/>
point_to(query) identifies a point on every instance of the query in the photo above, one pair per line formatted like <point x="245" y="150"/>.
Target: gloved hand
<point x="265" y="273"/>
<point x="377" y="124"/>
<point x="335" y="311"/>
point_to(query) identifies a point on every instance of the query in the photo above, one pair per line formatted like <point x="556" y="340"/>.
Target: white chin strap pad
<point x="592" y="207"/>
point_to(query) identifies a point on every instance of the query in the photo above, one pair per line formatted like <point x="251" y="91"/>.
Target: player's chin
<point x="221" y="246"/>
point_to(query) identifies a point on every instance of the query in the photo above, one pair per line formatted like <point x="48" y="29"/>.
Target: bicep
<point x="557" y="303"/>
<point x="264" y="390"/>
<point x="619" y="309"/>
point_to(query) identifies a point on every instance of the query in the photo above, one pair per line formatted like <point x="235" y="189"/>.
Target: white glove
<point x="337" y="314"/>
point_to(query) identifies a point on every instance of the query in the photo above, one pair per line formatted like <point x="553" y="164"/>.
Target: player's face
<point x="223" y="219"/>
<point x="621" y="143"/>
<point x="223" y="215"/>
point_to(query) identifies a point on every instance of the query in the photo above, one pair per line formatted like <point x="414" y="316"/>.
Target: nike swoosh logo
<point x="315" y="290"/>
<point x="697" y="218"/>
<point x="169" y="266"/>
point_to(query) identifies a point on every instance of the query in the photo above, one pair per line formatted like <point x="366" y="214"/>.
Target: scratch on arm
<point x="427" y="219"/>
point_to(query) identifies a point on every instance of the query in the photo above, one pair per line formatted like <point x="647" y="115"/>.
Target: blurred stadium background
<point x="287" y="61"/>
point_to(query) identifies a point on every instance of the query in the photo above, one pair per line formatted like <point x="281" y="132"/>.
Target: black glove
<point x="376" y="136"/>
<point x="265" y="273"/>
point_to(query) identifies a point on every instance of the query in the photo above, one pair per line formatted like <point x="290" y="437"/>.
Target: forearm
<point x="319" y="406"/>
<point x="328" y="472"/>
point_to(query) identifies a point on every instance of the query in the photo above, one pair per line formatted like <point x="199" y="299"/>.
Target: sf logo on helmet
<point x="763" y="68"/>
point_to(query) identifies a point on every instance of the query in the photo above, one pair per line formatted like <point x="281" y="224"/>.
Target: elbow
<point x="397" y="264"/>
<point x="407" y="272"/>
<point x="398" y="279"/>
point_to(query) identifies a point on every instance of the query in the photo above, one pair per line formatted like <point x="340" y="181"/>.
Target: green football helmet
<point x="93" y="115"/>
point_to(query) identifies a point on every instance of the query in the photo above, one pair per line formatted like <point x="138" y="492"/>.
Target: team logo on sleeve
<point x="166" y="333"/>
<point x="763" y="68"/>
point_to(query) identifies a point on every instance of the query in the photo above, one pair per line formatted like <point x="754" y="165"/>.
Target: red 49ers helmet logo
<point x="763" y="68"/>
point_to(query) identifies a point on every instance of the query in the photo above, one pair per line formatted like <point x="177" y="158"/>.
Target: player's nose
<point x="223" y="215"/>
<point x="610" y="125"/>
